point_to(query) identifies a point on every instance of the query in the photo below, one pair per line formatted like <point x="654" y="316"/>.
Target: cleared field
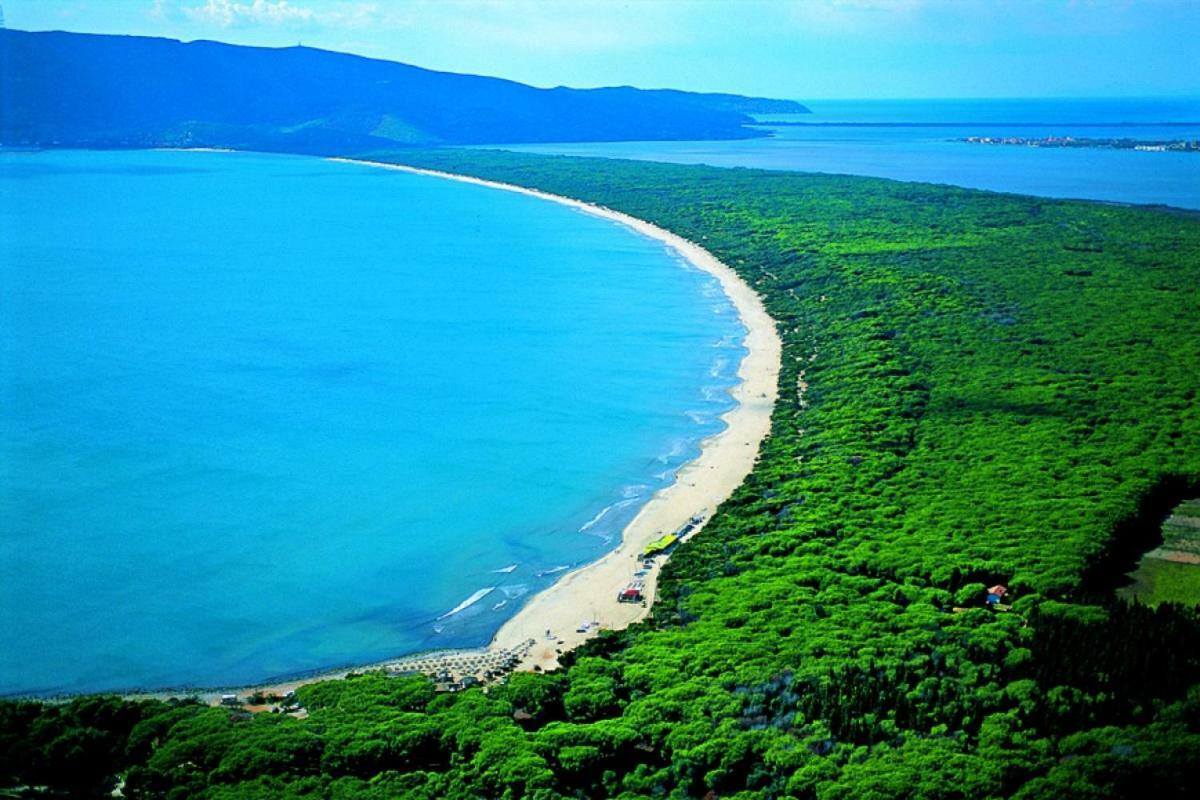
<point x="1170" y="573"/>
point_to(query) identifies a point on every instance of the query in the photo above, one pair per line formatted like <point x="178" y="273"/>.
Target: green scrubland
<point x="999" y="390"/>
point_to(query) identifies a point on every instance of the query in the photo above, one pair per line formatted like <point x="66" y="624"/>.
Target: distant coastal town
<point x="1173" y="145"/>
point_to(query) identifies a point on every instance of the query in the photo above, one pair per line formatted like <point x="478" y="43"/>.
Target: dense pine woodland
<point x="977" y="389"/>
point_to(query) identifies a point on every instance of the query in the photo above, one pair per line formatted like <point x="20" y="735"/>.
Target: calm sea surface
<point x="914" y="140"/>
<point x="263" y="415"/>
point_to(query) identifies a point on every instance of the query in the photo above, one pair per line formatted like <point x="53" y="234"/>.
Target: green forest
<point x="1000" y="390"/>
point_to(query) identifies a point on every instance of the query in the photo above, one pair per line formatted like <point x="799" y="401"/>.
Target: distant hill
<point x="86" y="90"/>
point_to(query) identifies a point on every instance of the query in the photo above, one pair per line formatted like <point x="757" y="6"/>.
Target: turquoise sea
<point x="265" y="415"/>
<point x="917" y="140"/>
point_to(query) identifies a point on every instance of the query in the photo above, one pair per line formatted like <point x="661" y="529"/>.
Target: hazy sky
<point x="802" y="49"/>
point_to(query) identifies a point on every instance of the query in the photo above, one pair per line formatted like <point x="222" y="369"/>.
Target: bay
<point x="264" y="415"/>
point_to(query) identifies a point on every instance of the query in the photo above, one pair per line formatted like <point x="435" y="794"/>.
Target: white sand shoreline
<point x="588" y="594"/>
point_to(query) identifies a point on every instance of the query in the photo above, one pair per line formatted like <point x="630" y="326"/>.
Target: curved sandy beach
<point x="589" y="594"/>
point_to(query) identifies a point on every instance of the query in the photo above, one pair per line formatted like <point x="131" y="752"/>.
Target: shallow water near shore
<point x="268" y="415"/>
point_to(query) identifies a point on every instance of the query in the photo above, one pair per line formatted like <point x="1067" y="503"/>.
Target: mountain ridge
<point x="97" y="90"/>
